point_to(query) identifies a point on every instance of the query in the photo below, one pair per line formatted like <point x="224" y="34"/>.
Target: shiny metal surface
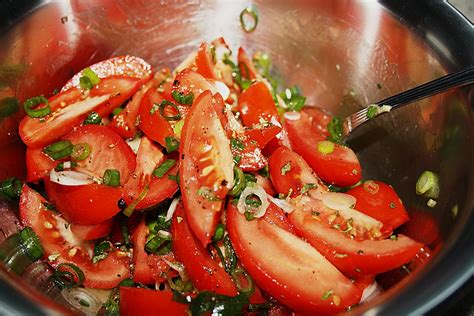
<point x="343" y="54"/>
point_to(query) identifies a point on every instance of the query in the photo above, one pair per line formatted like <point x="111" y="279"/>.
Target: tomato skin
<point x="319" y="118"/>
<point x="142" y="272"/>
<point x="88" y="204"/>
<point x="358" y="257"/>
<point x="256" y="103"/>
<point x="204" y="63"/>
<point x="38" y="164"/>
<point x="105" y="274"/>
<point x="247" y="68"/>
<point x="205" y="273"/>
<point x="12" y="160"/>
<point x="268" y="254"/>
<point x="276" y="216"/>
<point x="341" y="167"/>
<point x="108" y="151"/>
<point x="92" y="232"/>
<point x="140" y="301"/>
<point x="381" y="202"/>
<point x="70" y="108"/>
<point x="154" y="125"/>
<point x="294" y="179"/>
<point x="263" y="135"/>
<point x="422" y="227"/>
<point x="205" y="162"/>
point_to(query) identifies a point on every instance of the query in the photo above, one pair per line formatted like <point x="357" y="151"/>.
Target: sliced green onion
<point x="179" y="286"/>
<point x="32" y="243"/>
<point x="158" y="244"/>
<point x="250" y="178"/>
<point x="327" y="294"/>
<point x="208" y="194"/>
<point x="100" y="251"/>
<point x="178" y="127"/>
<point x="307" y="187"/>
<point x="335" y="130"/>
<point x="59" y="150"/>
<point x="236" y="144"/>
<point x="428" y="184"/>
<point x="263" y="63"/>
<point x="372" y="111"/>
<point x="68" y="275"/>
<point x="325" y="147"/>
<point x="10" y="189"/>
<point x="231" y="258"/>
<point x="253" y="201"/>
<point x="285" y="169"/>
<point x="162" y="107"/>
<point x="264" y="172"/>
<point x="239" y="182"/>
<point x="219" y="233"/>
<point x="117" y="111"/>
<point x="89" y="79"/>
<point x="111" y="177"/>
<point x="131" y="207"/>
<point x="249" y="216"/>
<point x="172" y="144"/>
<point x="80" y="151"/>
<point x="93" y="118"/>
<point x="8" y="106"/>
<point x="293" y="99"/>
<point x="243" y="281"/>
<point x="236" y="159"/>
<point x="182" y="98"/>
<point x="174" y="177"/>
<point x="248" y="19"/>
<point x="33" y="111"/>
<point x="162" y="169"/>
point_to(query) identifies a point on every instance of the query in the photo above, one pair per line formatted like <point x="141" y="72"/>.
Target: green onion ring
<point x="237" y="275"/>
<point x="38" y="112"/>
<point x="111" y="177"/>
<point x="239" y="182"/>
<point x="80" y="151"/>
<point x="32" y="243"/>
<point x="68" y="275"/>
<point x="58" y="150"/>
<point x="253" y="15"/>
<point x="162" y="106"/>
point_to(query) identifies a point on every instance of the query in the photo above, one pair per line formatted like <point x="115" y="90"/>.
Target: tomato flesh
<point x="205" y="273"/>
<point x="288" y="268"/>
<point x="256" y="104"/>
<point x="140" y="301"/>
<point x="56" y="240"/>
<point x="206" y="167"/>
<point x="92" y="232"/>
<point x="38" y="164"/>
<point x="339" y="167"/>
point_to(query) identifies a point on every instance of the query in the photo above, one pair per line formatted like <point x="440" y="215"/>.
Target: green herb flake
<point x="392" y="205"/>
<point x="264" y="172"/>
<point x="101" y="251"/>
<point x="307" y="187"/>
<point x="162" y="169"/>
<point x="236" y="144"/>
<point x="293" y="99"/>
<point x="335" y="130"/>
<point x="172" y="144"/>
<point x="327" y="295"/>
<point x="93" y="118"/>
<point x="181" y="98"/>
<point x="372" y="111"/>
<point x="285" y="169"/>
<point x="89" y="79"/>
<point x="394" y="237"/>
<point x="208" y="194"/>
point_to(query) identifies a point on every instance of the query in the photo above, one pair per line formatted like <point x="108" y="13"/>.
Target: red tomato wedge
<point x="205" y="273"/>
<point x="71" y="107"/>
<point x="206" y="167"/>
<point x="263" y="135"/>
<point x="149" y="156"/>
<point x="204" y="62"/>
<point x="92" y="232"/>
<point x="288" y="268"/>
<point x="291" y="174"/>
<point x="88" y="204"/>
<point x="38" y="164"/>
<point x="57" y="239"/>
<point x="352" y="257"/>
<point x="130" y="66"/>
<point x="142" y="272"/>
<point x="339" y="167"/>
<point x="319" y="118"/>
<point x="146" y="302"/>
<point x="256" y="104"/>
<point x="246" y="66"/>
<point x="275" y="216"/>
<point x="155" y="126"/>
<point x="189" y="81"/>
<point x="107" y="151"/>
<point x="380" y="201"/>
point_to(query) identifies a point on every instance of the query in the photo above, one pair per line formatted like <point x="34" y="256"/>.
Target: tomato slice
<point x="57" y="239"/>
<point x="204" y="62"/>
<point x="422" y="227"/>
<point x="247" y="68"/>
<point x="352" y="257"/>
<point x="38" y="164"/>
<point x="379" y="200"/>
<point x="263" y="135"/>
<point x="155" y="126"/>
<point x="205" y="273"/>
<point x="256" y="104"/>
<point x="130" y="66"/>
<point x="290" y="174"/>
<point x="275" y="216"/>
<point x="149" y="156"/>
<point x="71" y="107"/>
<point x="319" y="118"/>
<point x="141" y="301"/>
<point x="288" y="268"/>
<point x="340" y="167"/>
<point x="206" y="168"/>
<point x="92" y="232"/>
<point x="88" y="204"/>
<point x="107" y="151"/>
<point x="188" y="81"/>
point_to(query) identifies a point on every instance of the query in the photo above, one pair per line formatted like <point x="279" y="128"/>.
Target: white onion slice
<point x="292" y="116"/>
<point x="172" y="209"/>
<point x="179" y="267"/>
<point x="338" y="201"/>
<point x="370" y="292"/>
<point x="134" y="144"/>
<point x="220" y="87"/>
<point x="262" y="195"/>
<point x="70" y="178"/>
<point x="283" y="204"/>
<point x="83" y="300"/>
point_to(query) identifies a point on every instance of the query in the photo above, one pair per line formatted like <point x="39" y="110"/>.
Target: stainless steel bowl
<point x="343" y="55"/>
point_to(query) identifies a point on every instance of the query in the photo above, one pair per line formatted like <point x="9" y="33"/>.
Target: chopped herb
<point x="327" y="295"/>
<point x="100" y="251"/>
<point x="84" y="303"/>
<point x="249" y="216"/>
<point x="253" y="201"/>
<point x="127" y="283"/>
<point x="159" y="244"/>
<point x="178" y="127"/>
<point x="392" y="205"/>
<point x="237" y="159"/>
<point x="89" y="79"/>
<point x="239" y="182"/>
<point x="307" y="187"/>
<point x="335" y="130"/>
<point x="293" y="99"/>
<point x="68" y="275"/>
<point x="263" y="63"/>
<point x="208" y="194"/>
<point x="174" y="177"/>
<point x="182" y="98"/>
<point x="237" y="74"/>
<point x="80" y="151"/>
<point x="59" y="150"/>
<point x="162" y="169"/>
<point x="172" y="144"/>
<point x="117" y="111"/>
<point x="285" y="169"/>
<point x="219" y="233"/>
<point x="264" y="172"/>
<point x="236" y="144"/>
<point x="250" y="178"/>
<point x="93" y="118"/>
<point x="372" y="111"/>
<point x="111" y="177"/>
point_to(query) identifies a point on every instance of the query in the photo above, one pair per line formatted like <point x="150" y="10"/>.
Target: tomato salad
<point x="203" y="189"/>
